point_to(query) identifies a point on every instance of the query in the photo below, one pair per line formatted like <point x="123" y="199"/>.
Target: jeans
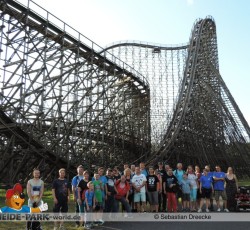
<point x="124" y="203"/>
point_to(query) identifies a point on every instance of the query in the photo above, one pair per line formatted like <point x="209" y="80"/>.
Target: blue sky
<point x="167" y="22"/>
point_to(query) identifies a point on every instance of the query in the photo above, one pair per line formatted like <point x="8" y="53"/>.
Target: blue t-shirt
<point x="89" y="197"/>
<point x="210" y="174"/>
<point x="179" y="175"/>
<point x="24" y="209"/>
<point x="75" y="182"/>
<point x="206" y="181"/>
<point x="185" y="185"/>
<point x="219" y="184"/>
<point x="144" y="172"/>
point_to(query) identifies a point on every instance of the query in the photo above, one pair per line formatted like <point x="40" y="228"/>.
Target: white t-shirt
<point x="193" y="178"/>
<point x="138" y="181"/>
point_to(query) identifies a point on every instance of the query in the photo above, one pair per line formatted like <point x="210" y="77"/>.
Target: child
<point x="206" y="189"/>
<point x="89" y="204"/>
<point x="98" y="188"/>
<point x="186" y="189"/>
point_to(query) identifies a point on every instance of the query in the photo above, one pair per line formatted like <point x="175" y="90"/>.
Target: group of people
<point x="164" y="189"/>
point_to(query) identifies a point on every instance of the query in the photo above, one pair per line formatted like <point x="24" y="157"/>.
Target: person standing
<point x="82" y="188"/>
<point x="232" y="188"/>
<point x="122" y="188"/>
<point x="198" y="175"/>
<point x="35" y="189"/>
<point x="194" y="187"/>
<point x="61" y="194"/>
<point x="186" y="190"/>
<point x="110" y="192"/>
<point x="161" y="197"/>
<point x="210" y="174"/>
<point x="179" y="172"/>
<point x="206" y="188"/>
<point x="170" y="185"/>
<point x="90" y="203"/>
<point x="152" y="190"/>
<point x="98" y="189"/>
<point x="138" y="182"/>
<point x="219" y="189"/>
<point x="75" y="181"/>
<point x="143" y="169"/>
<point x="132" y="167"/>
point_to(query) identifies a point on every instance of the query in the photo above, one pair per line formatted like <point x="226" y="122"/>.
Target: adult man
<point x="210" y="174"/>
<point x="61" y="194"/>
<point x="161" y="197"/>
<point x="75" y="181"/>
<point x="219" y="189"/>
<point x="132" y="167"/>
<point x="110" y="191"/>
<point x="143" y="169"/>
<point x="35" y="188"/>
<point x="138" y="183"/>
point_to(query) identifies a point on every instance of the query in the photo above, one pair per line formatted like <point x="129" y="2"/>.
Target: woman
<point x="128" y="175"/>
<point x="170" y="184"/>
<point x="198" y="174"/>
<point x="231" y="189"/>
<point x="194" y="187"/>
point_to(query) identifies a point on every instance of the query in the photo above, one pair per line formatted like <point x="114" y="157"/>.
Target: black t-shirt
<point x="152" y="181"/>
<point x="170" y="180"/>
<point x="117" y="177"/>
<point x="83" y="185"/>
<point x="162" y="172"/>
<point x="110" y="185"/>
<point x="61" y="189"/>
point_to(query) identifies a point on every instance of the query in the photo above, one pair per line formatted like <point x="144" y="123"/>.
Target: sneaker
<point x="199" y="210"/>
<point x="207" y="210"/>
<point x="218" y="210"/>
<point x="226" y="210"/>
<point x="100" y="222"/>
<point x="87" y="226"/>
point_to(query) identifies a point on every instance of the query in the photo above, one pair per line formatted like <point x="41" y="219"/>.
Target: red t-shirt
<point x="122" y="191"/>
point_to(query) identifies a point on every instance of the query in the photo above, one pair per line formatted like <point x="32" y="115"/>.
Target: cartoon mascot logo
<point x="15" y="199"/>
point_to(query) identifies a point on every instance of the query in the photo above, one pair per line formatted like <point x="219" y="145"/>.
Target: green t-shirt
<point x="98" y="191"/>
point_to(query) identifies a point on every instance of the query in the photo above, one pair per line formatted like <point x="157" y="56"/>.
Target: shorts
<point x="218" y="193"/>
<point x="153" y="198"/>
<point x="61" y="206"/>
<point x="206" y="193"/>
<point x="139" y="196"/>
<point x="98" y="206"/>
<point x="186" y="196"/>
